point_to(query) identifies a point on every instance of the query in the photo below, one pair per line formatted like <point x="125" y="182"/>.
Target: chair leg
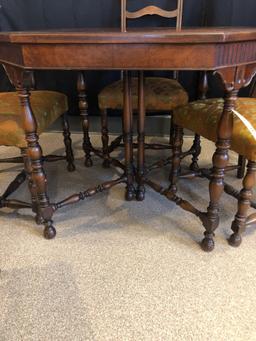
<point x="244" y="201"/>
<point x="105" y="138"/>
<point x="197" y="151"/>
<point x="241" y="167"/>
<point x="176" y="158"/>
<point x="171" y="130"/>
<point x="68" y="143"/>
<point x="32" y="187"/>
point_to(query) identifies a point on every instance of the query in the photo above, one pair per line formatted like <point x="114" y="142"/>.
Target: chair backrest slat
<point x="151" y="10"/>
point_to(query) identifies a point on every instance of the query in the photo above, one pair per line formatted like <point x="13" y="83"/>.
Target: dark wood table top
<point x="136" y="35"/>
<point x="138" y="49"/>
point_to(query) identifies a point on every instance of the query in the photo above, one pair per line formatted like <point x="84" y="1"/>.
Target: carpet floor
<point x="119" y="270"/>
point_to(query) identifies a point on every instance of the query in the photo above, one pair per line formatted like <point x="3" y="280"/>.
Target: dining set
<point x="230" y="122"/>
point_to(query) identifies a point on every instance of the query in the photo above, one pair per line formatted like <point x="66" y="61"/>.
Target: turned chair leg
<point x="244" y="202"/>
<point x="241" y="167"/>
<point x="68" y="143"/>
<point x="171" y="130"/>
<point x="176" y="158"/>
<point x="105" y="138"/>
<point x="220" y="161"/>
<point x="196" y="147"/>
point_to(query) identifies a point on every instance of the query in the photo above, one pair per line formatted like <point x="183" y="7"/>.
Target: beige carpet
<point x="122" y="271"/>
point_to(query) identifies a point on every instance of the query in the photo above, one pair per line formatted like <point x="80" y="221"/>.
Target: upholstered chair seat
<point x="202" y="118"/>
<point x="47" y="107"/>
<point x="161" y="94"/>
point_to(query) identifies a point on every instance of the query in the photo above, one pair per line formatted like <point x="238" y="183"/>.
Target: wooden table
<point x="231" y="52"/>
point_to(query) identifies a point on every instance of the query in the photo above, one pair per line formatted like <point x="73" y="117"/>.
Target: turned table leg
<point x="244" y="203"/>
<point x="220" y="161"/>
<point x="34" y="151"/>
<point x="140" y="194"/>
<point x="128" y="138"/>
<point x="83" y="107"/>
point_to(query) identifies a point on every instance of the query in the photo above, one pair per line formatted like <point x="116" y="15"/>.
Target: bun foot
<point x="207" y="244"/>
<point x="71" y="167"/>
<point x="88" y="163"/>
<point x="106" y="163"/>
<point x="129" y="194"/>
<point x="140" y="194"/>
<point x="49" y="232"/>
<point x="235" y="240"/>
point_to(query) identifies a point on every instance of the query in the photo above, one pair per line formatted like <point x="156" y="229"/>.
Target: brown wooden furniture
<point x="202" y="117"/>
<point x="48" y="106"/>
<point x="151" y="10"/>
<point x="231" y="51"/>
<point x="161" y="94"/>
<point x="202" y="95"/>
<point x="241" y="158"/>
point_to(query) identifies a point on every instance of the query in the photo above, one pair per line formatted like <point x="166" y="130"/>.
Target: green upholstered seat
<point x="47" y="107"/>
<point x="161" y="94"/>
<point x="202" y="118"/>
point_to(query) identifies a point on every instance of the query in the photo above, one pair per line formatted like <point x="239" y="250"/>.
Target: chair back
<point x="151" y="10"/>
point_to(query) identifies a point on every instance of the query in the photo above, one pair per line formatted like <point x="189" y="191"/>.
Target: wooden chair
<point x="202" y="118"/>
<point x="47" y="107"/>
<point x="161" y="94"/>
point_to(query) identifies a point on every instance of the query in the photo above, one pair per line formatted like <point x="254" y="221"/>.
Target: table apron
<point x="129" y="56"/>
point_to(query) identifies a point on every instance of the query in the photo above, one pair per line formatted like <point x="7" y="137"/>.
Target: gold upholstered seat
<point x="202" y="118"/>
<point x="161" y="94"/>
<point x="47" y="107"/>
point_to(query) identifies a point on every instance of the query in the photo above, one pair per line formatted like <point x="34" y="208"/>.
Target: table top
<point x="139" y="49"/>
<point x="137" y="35"/>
